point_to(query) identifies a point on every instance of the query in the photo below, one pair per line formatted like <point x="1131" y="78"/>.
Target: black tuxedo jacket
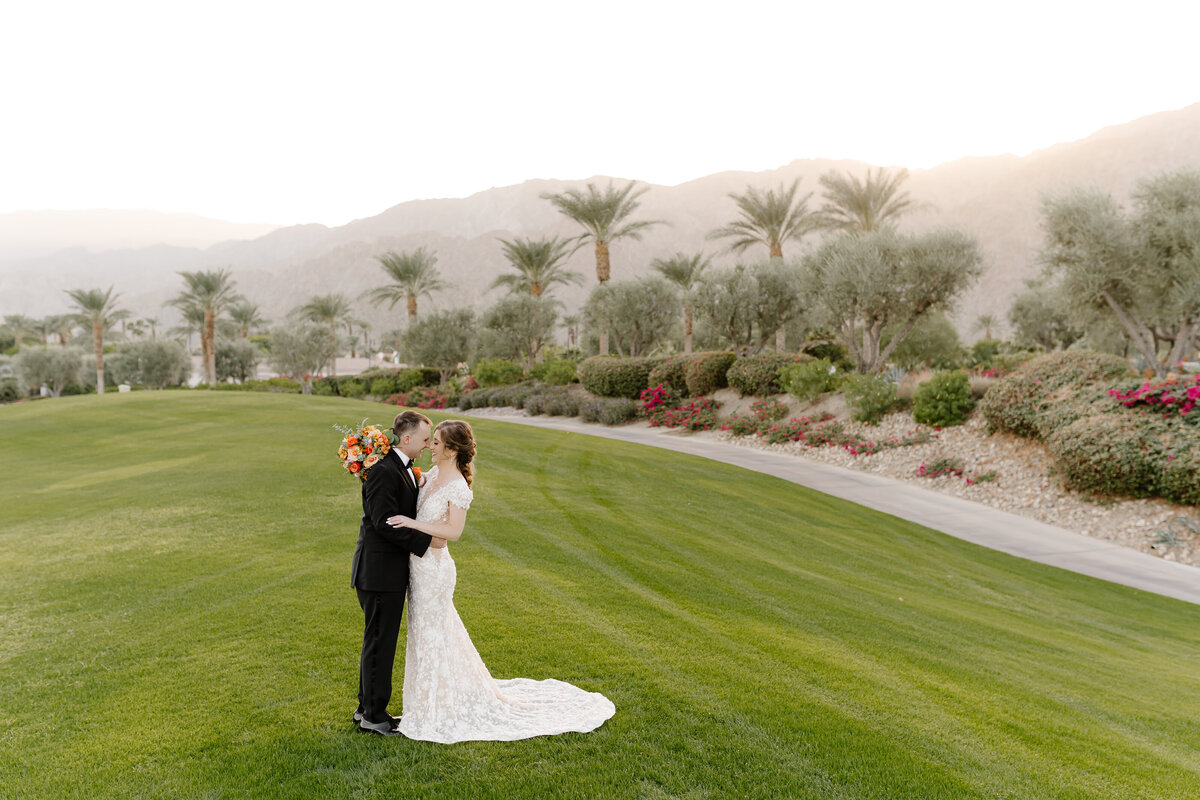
<point x="381" y="556"/>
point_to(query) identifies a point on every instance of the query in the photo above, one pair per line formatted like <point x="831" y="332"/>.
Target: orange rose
<point x="352" y="440"/>
<point x="371" y="461"/>
<point x="354" y="466"/>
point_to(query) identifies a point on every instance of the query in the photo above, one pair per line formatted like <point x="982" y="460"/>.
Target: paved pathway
<point x="963" y="519"/>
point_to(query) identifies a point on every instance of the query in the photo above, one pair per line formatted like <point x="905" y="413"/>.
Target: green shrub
<point x="536" y="403"/>
<point x="869" y="397"/>
<point x="984" y="352"/>
<point x="561" y="405"/>
<point x="671" y="372"/>
<point x="475" y="399"/>
<point x="10" y="390"/>
<point x="608" y="410"/>
<point x="706" y="372"/>
<point x="1180" y="477"/>
<point x="611" y="376"/>
<point x="324" y="387"/>
<point x="810" y="380"/>
<point x="384" y="382"/>
<point x="1112" y="454"/>
<point x="514" y="395"/>
<point x="1018" y="402"/>
<point x="944" y="400"/>
<point x="354" y="389"/>
<point x="556" y="372"/>
<point x="758" y="375"/>
<point x="497" y="372"/>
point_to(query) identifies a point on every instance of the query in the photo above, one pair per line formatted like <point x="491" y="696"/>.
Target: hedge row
<point x="696" y="375"/>
<point x="378" y="382"/>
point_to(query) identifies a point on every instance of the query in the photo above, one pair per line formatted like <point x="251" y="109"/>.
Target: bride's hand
<point x="437" y="543"/>
<point x="399" y="521"/>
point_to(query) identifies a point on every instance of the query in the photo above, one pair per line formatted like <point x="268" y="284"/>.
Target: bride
<point x="449" y="695"/>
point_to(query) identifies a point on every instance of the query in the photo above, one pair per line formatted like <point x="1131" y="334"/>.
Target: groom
<point x="380" y="569"/>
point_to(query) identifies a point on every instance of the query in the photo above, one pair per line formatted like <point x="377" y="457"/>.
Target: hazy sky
<point x="293" y="112"/>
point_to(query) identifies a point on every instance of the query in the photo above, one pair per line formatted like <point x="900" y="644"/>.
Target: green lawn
<point x="176" y="621"/>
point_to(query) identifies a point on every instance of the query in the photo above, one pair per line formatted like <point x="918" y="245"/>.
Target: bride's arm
<point x="449" y="527"/>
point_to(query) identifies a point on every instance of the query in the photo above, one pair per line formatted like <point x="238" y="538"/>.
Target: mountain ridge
<point x="995" y="198"/>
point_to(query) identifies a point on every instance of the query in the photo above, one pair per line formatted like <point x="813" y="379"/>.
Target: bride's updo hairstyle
<point x="458" y="436"/>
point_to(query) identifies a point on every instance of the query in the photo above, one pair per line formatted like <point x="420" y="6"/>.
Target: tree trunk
<point x="781" y="340"/>
<point x="1139" y="334"/>
<point x="333" y="358"/>
<point x="1182" y="345"/>
<point x="687" y="329"/>
<point x="208" y="347"/>
<point x="98" y="344"/>
<point x="412" y="307"/>
<point x="776" y="251"/>
<point x="603" y="265"/>
<point x="899" y="337"/>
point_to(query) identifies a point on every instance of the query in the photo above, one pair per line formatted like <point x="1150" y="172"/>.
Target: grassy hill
<point x="176" y="621"/>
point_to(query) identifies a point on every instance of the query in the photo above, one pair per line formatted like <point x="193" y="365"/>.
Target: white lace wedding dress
<point x="449" y="695"/>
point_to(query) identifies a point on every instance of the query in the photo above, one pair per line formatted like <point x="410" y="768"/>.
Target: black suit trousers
<point x="381" y="629"/>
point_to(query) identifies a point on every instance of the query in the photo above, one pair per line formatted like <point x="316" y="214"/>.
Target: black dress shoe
<point x="358" y="717"/>
<point x="387" y="728"/>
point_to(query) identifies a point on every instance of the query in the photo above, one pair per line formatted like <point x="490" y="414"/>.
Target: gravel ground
<point x="1025" y="483"/>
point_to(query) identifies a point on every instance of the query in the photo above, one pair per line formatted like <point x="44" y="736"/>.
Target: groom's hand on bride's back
<point x="437" y="543"/>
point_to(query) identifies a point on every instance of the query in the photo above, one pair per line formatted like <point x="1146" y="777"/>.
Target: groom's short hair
<point x="408" y="421"/>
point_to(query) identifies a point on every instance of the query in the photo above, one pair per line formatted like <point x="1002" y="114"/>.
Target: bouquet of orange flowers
<point x="362" y="448"/>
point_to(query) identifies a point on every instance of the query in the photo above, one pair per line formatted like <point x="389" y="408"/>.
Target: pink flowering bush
<point x="662" y="408"/>
<point x="421" y="397"/>
<point x="1175" y="396"/>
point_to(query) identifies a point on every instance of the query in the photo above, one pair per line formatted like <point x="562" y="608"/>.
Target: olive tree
<point x="1143" y="267"/>
<point x="56" y="367"/>
<point x="154" y="363"/>
<point x="236" y="358"/>
<point x="749" y="304"/>
<point x="517" y="327"/>
<point x="300" y="349"/>
<point x="442" y="339"/>
<point x="1039" y="317"/>
<point x="861" y="284"/>
<point x="636" y="315"/>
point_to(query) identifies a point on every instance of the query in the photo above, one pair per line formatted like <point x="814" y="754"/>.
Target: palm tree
<point x="862" y="207"/>
<point x="153" y="323"/>
<point x="59" y="325"/>
<point x="414" y="276"/>
<point x="329" y="309"/>
<point x="603" y="215"/>
<point x="683" y="271"/>
<point x="571" y="323"/>
<point x="212" y="292"/>
<point x="19" y="325"/>
<point x="538" y="264"/>
<point x="769" y="218"/>
<point x="246" y="316"/>
<point x="193" y="322"/>
<point x="100" y="310"/>
<point x="985" y="323"/>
